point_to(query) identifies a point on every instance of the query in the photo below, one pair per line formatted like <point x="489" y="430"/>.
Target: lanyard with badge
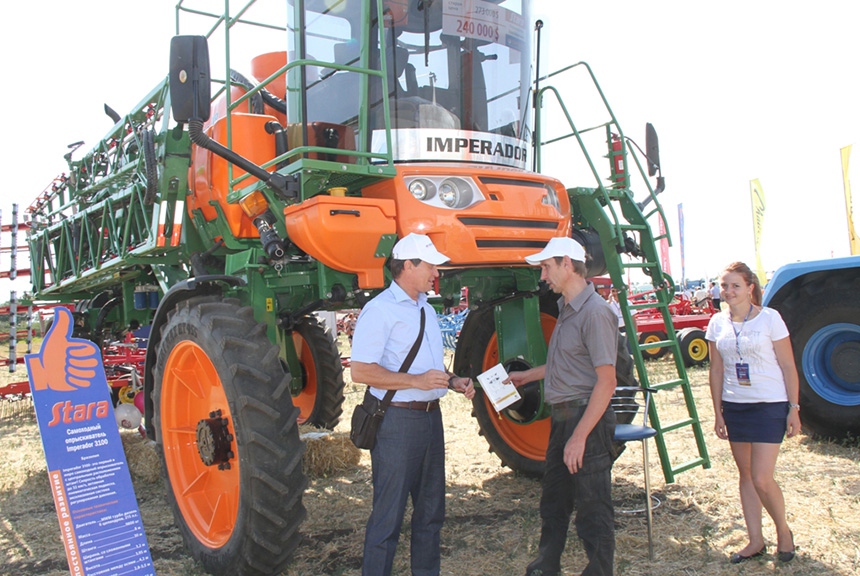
<point x="742" y="369"/>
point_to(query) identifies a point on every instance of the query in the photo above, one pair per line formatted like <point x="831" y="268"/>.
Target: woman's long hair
<point x="749" y="277"/>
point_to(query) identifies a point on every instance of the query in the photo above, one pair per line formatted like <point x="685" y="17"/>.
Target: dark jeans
<point x="408" y="460"/>
<point x="589" y="491"/>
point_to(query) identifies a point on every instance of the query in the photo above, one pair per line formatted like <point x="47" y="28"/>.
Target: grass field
<point x="492" y="524"/>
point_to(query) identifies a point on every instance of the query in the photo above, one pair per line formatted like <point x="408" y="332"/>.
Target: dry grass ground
<point x="492" y="524"/>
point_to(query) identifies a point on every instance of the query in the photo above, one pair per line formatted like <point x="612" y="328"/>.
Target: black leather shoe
<point x="737" y="558"/>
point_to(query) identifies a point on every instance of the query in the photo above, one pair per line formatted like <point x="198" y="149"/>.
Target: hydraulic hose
<point x="273" y="101"/>
<point x="263" y="96"/>
<point x="256" y="99"/>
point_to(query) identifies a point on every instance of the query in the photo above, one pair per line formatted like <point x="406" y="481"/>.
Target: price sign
<point x="483" y="20"/>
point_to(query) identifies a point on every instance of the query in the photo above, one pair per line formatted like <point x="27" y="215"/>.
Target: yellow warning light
<point x="254" y="204"/>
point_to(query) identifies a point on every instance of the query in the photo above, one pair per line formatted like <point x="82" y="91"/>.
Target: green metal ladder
<point x="619" y="220"/>
<point x="601" y="208"/>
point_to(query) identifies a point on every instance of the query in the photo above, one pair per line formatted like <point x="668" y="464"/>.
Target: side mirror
<point x="189" y="78"/>
<point x="652" y="149"/>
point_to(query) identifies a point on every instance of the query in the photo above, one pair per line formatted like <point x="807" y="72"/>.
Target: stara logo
<point x="64" y="364"/>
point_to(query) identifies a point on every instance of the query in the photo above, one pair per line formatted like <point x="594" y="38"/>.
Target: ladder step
<point x="635" y="227"/>
<point x="691" y="464"/>
<point x="647" y="305"/>
<point x="668" y="384"/>
<point x="677" y="425"/>
<point x="638" y="265"/>
<point x="658" y="344"/>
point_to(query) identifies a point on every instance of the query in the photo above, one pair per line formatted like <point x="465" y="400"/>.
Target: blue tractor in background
<point x="820" y="303"/>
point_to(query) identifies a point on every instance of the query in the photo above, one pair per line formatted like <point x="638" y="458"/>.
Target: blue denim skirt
<point x="756" y="422"/>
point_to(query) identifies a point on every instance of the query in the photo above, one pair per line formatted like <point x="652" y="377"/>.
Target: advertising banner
<point x="758" y="206"/>
<point x="681" y="239"/>
<point x="100" y="523"/>
<point x="854" y="242"/>
<point x="664" y="246"/>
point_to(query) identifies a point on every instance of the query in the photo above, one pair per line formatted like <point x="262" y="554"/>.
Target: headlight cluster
<point x="551" y="198"/>
<point x="454" y="193"/>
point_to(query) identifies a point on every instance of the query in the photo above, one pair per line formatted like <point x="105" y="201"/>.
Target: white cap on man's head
<point x="558" y="246"/>
<point x="418" y="246"/>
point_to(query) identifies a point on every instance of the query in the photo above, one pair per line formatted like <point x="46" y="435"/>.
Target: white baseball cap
<point x="558" y="246"/>
<point x="418" y="246"/>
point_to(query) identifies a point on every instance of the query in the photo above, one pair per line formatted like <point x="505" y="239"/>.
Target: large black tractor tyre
<point x="648" y="338"/>
<point x="320" y="398"/>
<point x="823" y="318"/>
<point x="521" y="447"/>
<point x="694" y="347"/>
<point x="228" y="438"/>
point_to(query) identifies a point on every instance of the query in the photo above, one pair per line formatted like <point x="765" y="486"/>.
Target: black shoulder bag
<point x="368" y="415"/>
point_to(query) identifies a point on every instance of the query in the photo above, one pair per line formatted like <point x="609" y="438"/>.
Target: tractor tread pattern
<point x="265" y="533"/>
<point x="823" y="298"/>
<point x="328" y="405"/>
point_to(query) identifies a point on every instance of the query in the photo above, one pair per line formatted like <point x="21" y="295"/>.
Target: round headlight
<point x="455" y="193"/>
<point x="448" y="193"/>
<point x="422" y="189"/>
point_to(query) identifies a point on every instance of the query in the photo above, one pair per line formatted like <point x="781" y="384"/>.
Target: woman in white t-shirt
<point x="754" y="387"/>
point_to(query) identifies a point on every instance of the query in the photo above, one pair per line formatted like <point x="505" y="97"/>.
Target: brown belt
<point x="423" y="406"/>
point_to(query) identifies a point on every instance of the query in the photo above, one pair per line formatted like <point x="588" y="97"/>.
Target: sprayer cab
<point x="419" y="116"/>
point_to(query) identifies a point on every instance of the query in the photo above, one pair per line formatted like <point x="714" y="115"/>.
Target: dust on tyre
<point x="228" y="439"/>
<point x="320" y="394"/>
<point x="694" y="347"/>
<point x="823" y="319"/>
<point x="651" y="338"/>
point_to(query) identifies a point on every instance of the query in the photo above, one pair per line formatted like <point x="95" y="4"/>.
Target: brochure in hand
<point x="492" y="382"/>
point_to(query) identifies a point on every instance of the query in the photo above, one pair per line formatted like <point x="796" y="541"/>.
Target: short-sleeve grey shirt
<point x="585" y="336"/>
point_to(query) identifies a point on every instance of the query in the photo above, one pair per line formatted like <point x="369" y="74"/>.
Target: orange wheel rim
<point x="306" y="399"/>
<point x="529" y="440"/>
<point x="208" y="497"/>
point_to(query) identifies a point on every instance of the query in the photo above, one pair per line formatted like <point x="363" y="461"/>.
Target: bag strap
<point x="407" y="363"/>
<point x="383" y="406"/>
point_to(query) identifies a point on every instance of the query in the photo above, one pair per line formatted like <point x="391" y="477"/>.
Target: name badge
<point x="743" y="372"/>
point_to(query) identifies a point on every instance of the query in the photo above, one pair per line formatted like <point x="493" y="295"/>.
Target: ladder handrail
<point x="613" y="212"/>
<point x="577" y="133"/>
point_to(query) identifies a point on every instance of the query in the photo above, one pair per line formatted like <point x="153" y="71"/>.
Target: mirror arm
<point x="278" y="182"/>
<point x="661" y="185"/>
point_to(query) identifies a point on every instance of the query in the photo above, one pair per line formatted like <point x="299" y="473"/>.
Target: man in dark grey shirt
<point x="579" y="381"/>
